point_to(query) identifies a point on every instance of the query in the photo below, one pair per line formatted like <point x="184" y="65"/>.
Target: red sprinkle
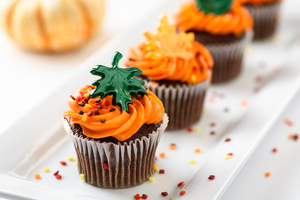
<point x="137" y="197"/>
<point x="180" y="184"/>
<point x="63" y="163"/>
<point x="190" y="130"/>
<point x="260" y="78"/>
<point x="78" y="98"/>
<point x="144" y="196"/>
<point x="90" y="113"/>
<point x="212" y="124"/>
<point x="182" y="192"/>
<point x="230" y="154"/>
<point x="211" y="177"/>
<point x="296" y="137"/>
<point x="56" y="173"/>
<point x="58" y="176"/>
<point x="72" y="97"/>
<point x="161" y="171"/>
<point x="227" y="140"/>
<point x="212" y="133"/>
<point x="105" y="165"/>
<point x="164" y="194"/>
<point x="274" y="150"/>
<point x="155" y="158"/>
<point x="82" y="93"/>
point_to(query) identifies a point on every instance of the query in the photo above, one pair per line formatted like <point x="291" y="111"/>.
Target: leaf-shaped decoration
<point x="214" y="6"/>
<point x="121" y="83"/>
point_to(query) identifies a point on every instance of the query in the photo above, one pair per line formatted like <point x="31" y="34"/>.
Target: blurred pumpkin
<point x="51" y="25"/>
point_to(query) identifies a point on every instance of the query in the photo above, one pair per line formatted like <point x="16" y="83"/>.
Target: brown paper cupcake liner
<point x="228" y="58"/>
<point x="183" y="103"/>
<point x="265" y="19"/>
<point x="128" y="164"/>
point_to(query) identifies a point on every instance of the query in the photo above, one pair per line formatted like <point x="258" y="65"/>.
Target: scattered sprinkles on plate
<point x="46" y="170"/>
<point x="137" y="197"/>
<point x="37" y="176"/>
<point x="212" y="133"/>
<point x="182" y="192"/>
<point x="288" y="122"/>
<point x="172" y="146"/>
<point x="71" y="158"/>
<point x="164" y="194"/>
<point x="190" y="130"/>
<point x="82" y="176"/>
<point x="227" y="157"/>
<point x="151" y="179"/>
<point x="58" y="176"/>
<point x="162" y="155"/>
<point x="274" y="150"/>
<point x="211" y="177"/>
<point x="293" y="136"/>
<point x="227" y="140"/>
<point x="63" y="163"/>
<point x="197" y="129"/>
<point x="144" y="196"/>
<point x="267" y="174"/>
<point x="193" y="161"/>
<point x="180" y="184"/>
<point x="162" y="171"/>
<point x="197" y="150"/>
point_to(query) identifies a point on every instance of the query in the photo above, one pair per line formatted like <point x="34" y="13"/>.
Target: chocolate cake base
<point x="108" y="163"/>
<point x="227" y="52"/>
<point x="265" y="19"/>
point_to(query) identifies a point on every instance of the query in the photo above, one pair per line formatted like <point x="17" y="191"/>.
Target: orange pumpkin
<point x="51" y="25"/>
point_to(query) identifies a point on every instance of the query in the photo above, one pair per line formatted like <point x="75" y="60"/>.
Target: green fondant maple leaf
<point x="121" y="83"/>
<point x="217" y="7"/>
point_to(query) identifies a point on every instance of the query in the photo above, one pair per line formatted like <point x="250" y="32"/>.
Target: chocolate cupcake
<point x="223" y="27"/>
<point x="115" y="125"/>
<point x="177" y="69"/>
<point x="265" y="15"/>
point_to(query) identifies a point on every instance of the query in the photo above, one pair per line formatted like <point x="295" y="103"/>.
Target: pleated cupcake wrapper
<point x="128" y="164"/>
<point x="228" y="58"/>
<point x="265" y="19"/>
<point x="183" y="103"/>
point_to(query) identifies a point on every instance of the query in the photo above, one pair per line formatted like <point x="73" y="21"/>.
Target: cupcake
<point x="265" y="15"/>
<point x="177" y="69"/>
<point x="115" y="125"/>
<point x="223" y="27"/>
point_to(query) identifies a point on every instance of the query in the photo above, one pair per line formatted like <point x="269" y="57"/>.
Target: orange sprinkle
<point x="268" y="174"/>
<point x="37" y="176"/>
<point x="291" y="136"/>
<point x="154" y="166"/>
<point x="172" y="146"/>
<point x="197" y="150"/>
<point x="244" y="103"/>
<point x="288" y="122"/>
<point x="162" y="155"/>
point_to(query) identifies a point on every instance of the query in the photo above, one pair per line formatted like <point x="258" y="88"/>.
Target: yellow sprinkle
<point x="227" y="157"/>
<point x="46" y="170"/>
<point x="193" y="161"/>
<point x="86" y="95"/>
<point x="88" y="106"/>
<point x="82" y="176"/>
<point x="197" y="129"/>
<point x="84" y="117"/>
<point x="76" y="163"/>
<point x="151" y="179"/>
<point x="204" y="110"/>
<point x="194" y="78"/>
<point x="156" y="169"/>
<point x="141" y="195"/>
<point x="71" y="158"/>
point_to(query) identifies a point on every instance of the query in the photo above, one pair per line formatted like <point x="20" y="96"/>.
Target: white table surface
<point x="26" y="78"/>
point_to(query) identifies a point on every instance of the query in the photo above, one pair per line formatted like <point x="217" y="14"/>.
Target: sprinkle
<point x="77" y="163"/>
<point x="84" y="117"/>
<point x="154" y="166"/>
<point x="197" y="150"/>
<point x="137" y="196"/>
<point x="71" y="158"/>
<point x="156" y="169"/>
<point x="267" y="174"/>
<point x="162" y="171"/>
<point x="81" y="112"/>
<point x="96" y="112"/>
<point x="193" y="161"/>
<point x="99" y="107"/>
<point x="180" y="184"/>
<point x="162" y="155"/>
<point x="211" y="177"/>
<point x="182" y="192"/>
<point x="227" y="140"/>
<point x="151" y="179"/>
<point x="212" y="124"/>
<point x="82" y="92"/>
<point x="90" y="113"/>
<point x="56" y="173"/>
<point x="82" y="105"/>
<point x="274" y="150"/>
<point x="105" y="165"/>
<point x="72" y="97"/>
<point x="204" y="110"/>
<point x="190" y="130"/>
<point x="244" y="103"/>
<point x="86" y="95"/>
<point x="211" y="100"/>
<point x="197" y="129"/>
<point x="88" y="106"/>
<point x="112" y="110"/>
<point x="288" y="122"/>
<point x="58" y="176"/>
<point x="37" y="176"/>
<point x="227" y="157"/>
<point x="212" y="133"/>
<point x="293" y="136"/>
<point x="155" y="158"/>
<point x="82" y="176"/>
<point x="144" y="196"/>
<point x="63" y="163"/>
<point x="172" y="146"/>
<point x="259" y="78"/>
<point x="194" y="78"/>
<point x="164" y="194"/>
<point x="46" y="170"/>
<point x="102" y="120"/>
<point x="98" y="101"/>
<point x="230" y="154"/>
<point x="78" y="98"/>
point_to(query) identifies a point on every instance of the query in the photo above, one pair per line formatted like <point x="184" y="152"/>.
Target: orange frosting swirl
<point x="171" y="56"/>
<point x="236" y="21"/>
<point x="109" y="120"/>
<point x="257" y="2"/>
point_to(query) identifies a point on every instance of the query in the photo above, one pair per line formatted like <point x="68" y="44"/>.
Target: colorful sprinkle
<point x="162" y="171"/>
<point x="76" y="163"/>
<point x="105" y="165"/>
<point x="293" y="136"/>
<point x="137" y="197"/>
<point x="180" y="184"/>
<point x="172" y="146"/>
<point x="197" y="129"/>
<point x="197" y="150"/>
<point x="211" y="100"/>
<point x="58" y="176"/>
<point x="211" y="177"/>
<point x="56" y="173"/>
<point x="164" y="194"/>
<point x="99" y="107"/>
<point x="82" y="176"/>
<point x="112" y="110"/>
<point x="227" y="157"/>
<point x="102" y="120"/>
<point x="154" y="166"/>
<point x="37" y="176"/>
<point x="230" y="154"/>
<point x="46" y="170"/>
<point x="98" y="101"/>
<point x="96" y="112"/>
<point x="162" y="155"/>
<point x="84" y="117"/>
<point x="227" y="140"/>
<point x="193" y="161"/>
<point x="88" y="106"/>
<point x="151" y="179"/>
<point x="78" y="98"/>
<point x="288" y="122"/>
<point x="157" y="169"/>
<point x="144" y="196"/>
<point x="274" y="150"/>
<point x="212" y="133"/>
<point x="71" y="158"/>
<point x="86" y="95"/>
<point x="244" y="103"/>
<point x="81" y="112"/>
<point x="212" y="124"/>
<point x="267" y="174"/>
<point x="63" y="163"/>
<point x="182" y="192"/>
<point x="276" y="69"/>
<point x="190" y="130"/>
<point x="259" y="78"/>
<point x="204" y="110"/>
<point x="72" y="97"/>
<point x="90" y="113"/>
